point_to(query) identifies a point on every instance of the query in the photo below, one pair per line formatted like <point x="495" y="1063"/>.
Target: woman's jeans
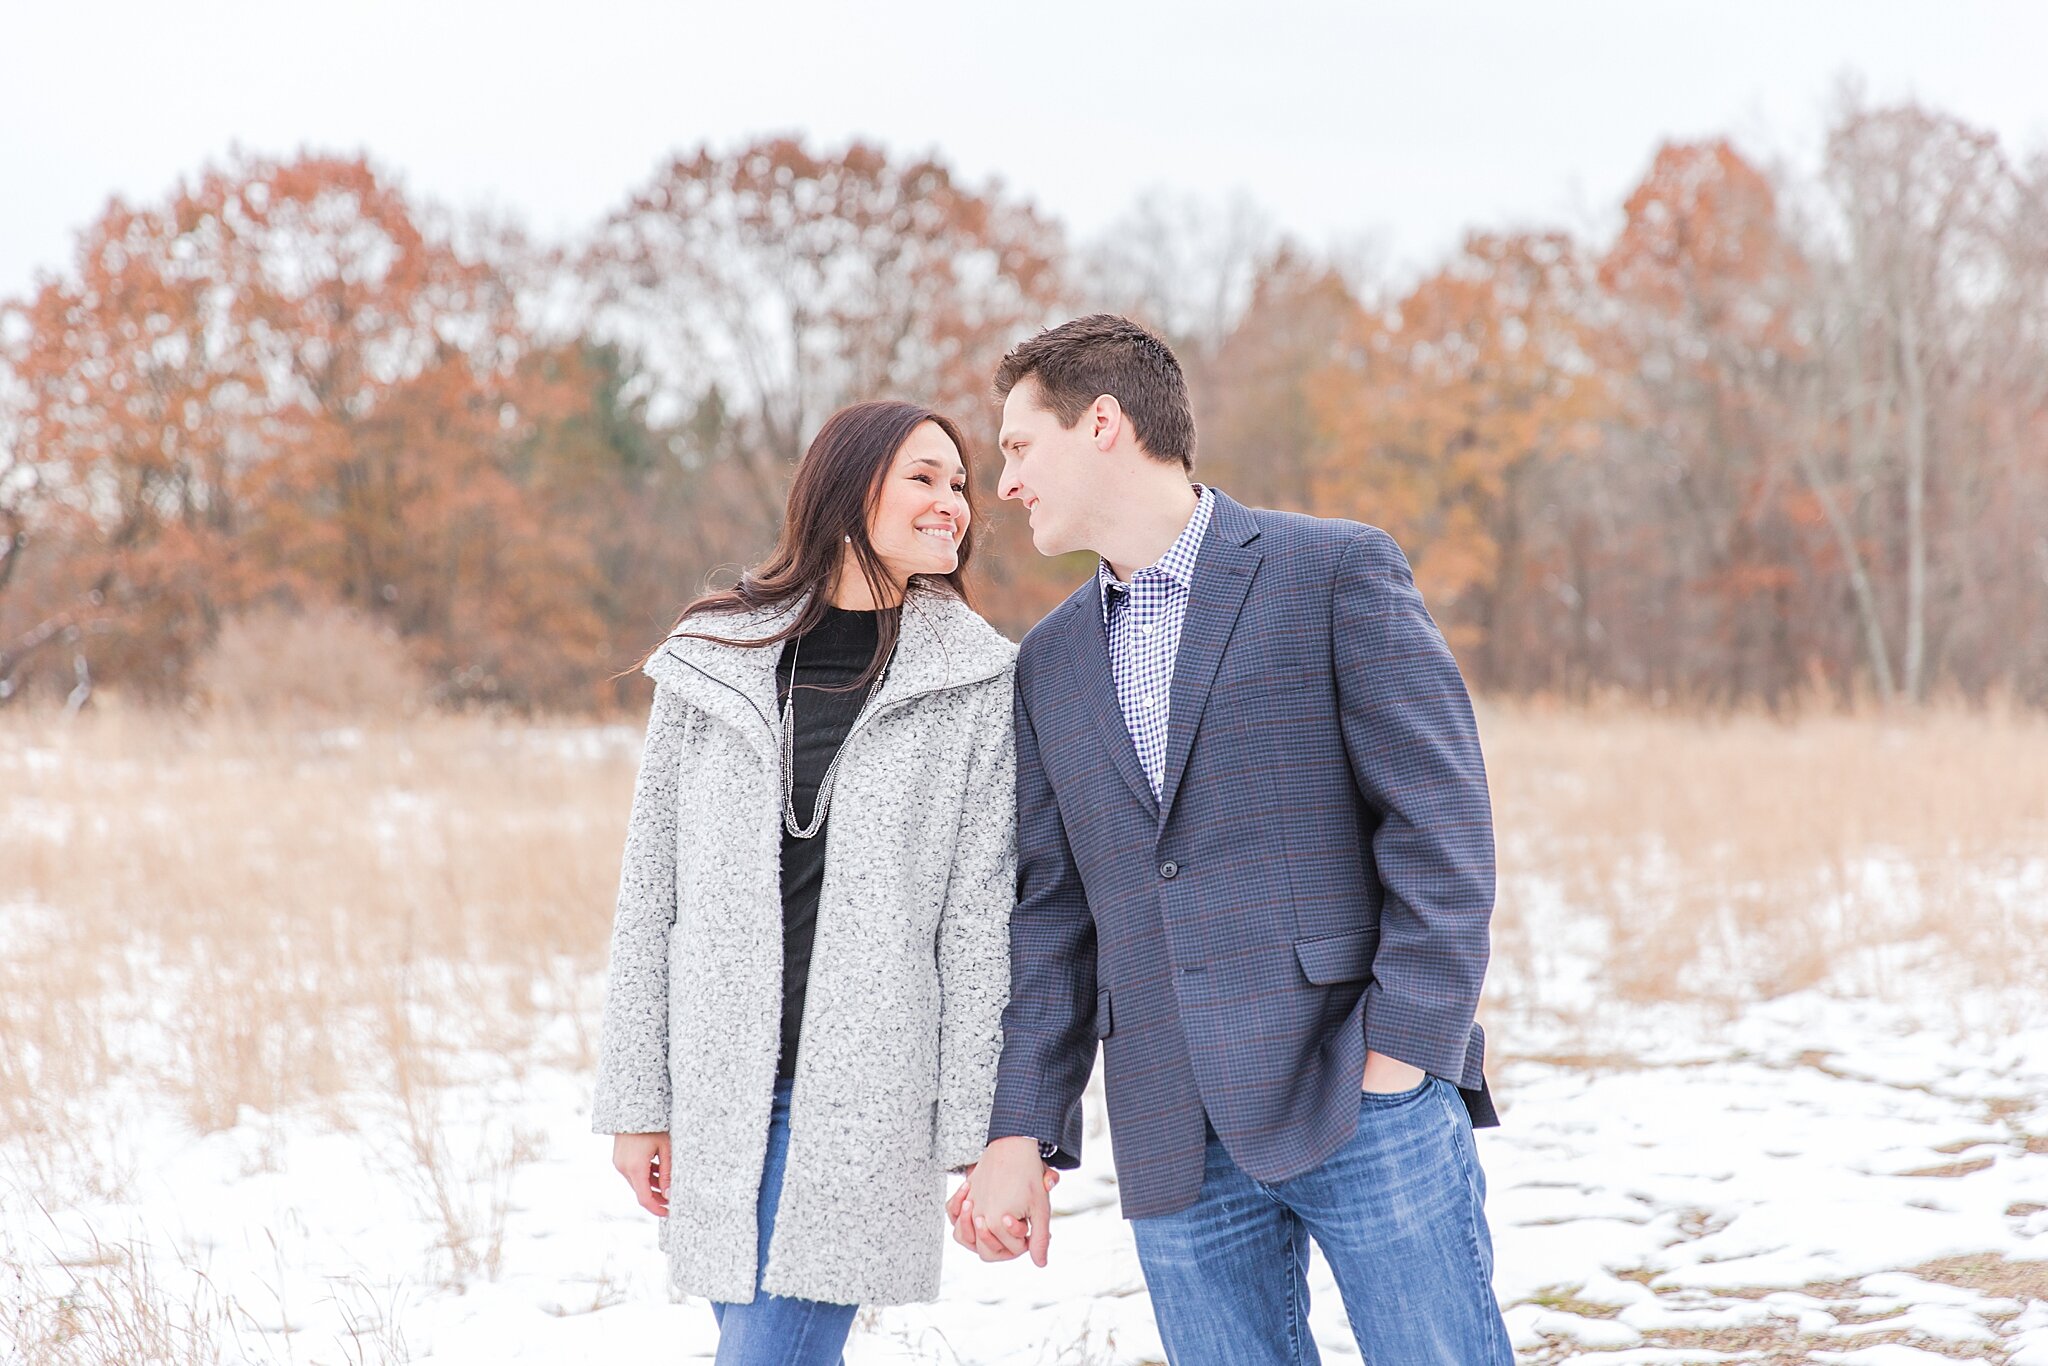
<point x="774" y="1330"/>
<point x="1399" y="1213"/>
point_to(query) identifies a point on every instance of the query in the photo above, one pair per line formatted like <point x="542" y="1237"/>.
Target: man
<point x="1255" y="862"/>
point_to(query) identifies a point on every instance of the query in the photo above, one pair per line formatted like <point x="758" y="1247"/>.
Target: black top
<point x="834" y="654"/>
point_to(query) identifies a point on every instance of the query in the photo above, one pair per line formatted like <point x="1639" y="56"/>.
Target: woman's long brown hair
<point x="837" y="487"/>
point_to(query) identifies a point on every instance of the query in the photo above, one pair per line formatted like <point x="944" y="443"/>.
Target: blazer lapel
<point x="1223" y="575"/>
<point x="1088" y="650"/>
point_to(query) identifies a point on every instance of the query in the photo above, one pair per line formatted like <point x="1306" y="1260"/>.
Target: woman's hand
<point x="643" y="1159"/>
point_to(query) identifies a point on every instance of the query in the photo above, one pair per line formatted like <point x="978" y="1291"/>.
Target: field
<point x="299" y="1021"/>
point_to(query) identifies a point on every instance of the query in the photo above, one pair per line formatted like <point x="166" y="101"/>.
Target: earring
<point x="848" y="539"/>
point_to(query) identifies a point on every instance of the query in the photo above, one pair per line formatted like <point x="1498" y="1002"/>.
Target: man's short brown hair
<point x="1079" y="361"/>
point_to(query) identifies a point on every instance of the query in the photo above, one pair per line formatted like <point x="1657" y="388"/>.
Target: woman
<point x="811" y="953"/>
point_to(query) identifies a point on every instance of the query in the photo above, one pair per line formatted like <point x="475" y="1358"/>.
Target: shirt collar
<point x="1177" y="565"/>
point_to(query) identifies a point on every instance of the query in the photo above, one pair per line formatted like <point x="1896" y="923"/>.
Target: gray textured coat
<point x="909" y="972"/>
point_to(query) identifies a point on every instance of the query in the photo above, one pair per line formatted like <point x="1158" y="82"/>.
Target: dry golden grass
<point x="1745" y="856"/>
<point x="127" y="1303"/>
<point x="242" y="911"/>
<point x="116" y="1312"/>
<point x="238" y="912"/>
<point x="319" y="662"/>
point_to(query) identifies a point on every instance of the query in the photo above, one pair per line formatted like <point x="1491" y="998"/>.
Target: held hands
<point x="643" y="1159"/>
<point x="1003" y="1209"/>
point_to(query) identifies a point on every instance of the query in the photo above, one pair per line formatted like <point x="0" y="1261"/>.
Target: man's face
<point x="1050" y="469"/>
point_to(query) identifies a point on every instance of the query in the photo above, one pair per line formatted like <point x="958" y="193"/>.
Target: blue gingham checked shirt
<point x="1143" y="619"/>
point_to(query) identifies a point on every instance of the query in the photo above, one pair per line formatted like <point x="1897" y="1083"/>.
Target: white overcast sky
<point x="1406" y="123"/>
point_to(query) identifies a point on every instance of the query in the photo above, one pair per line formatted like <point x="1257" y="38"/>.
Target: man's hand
<point x="958" y="1199"/>
<point x="1387" y="1075"/>
<point x="1002" y="1209"/>
<point x="643" y="1159"/>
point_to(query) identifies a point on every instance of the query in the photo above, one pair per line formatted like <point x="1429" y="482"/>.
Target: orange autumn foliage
<point x="1443" y="409"/>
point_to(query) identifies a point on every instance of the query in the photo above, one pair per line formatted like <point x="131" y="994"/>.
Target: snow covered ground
<point x="1854" y="1173"/>
<point x="1817" y="1180"/>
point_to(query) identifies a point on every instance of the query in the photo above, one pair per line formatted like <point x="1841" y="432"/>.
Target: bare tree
<point x="768" y="285"/>
<point x="1918" y="198"/>
<point x="1182" y="264"/>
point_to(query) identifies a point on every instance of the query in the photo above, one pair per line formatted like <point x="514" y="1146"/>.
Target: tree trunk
<point x="1852" y="555"/>
<point x="1914" y="371"/>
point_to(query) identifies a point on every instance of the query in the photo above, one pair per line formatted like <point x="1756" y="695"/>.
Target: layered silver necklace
<point x="824" y="799"/>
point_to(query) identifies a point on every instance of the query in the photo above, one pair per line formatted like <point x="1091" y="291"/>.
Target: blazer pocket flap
<point x="1102" y="1020"/>
<point x="1336" y="957"/>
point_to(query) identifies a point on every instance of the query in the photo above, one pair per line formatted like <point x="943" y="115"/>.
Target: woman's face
<point x="920" y="520"/>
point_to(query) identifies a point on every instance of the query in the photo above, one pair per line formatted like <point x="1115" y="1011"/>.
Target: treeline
<point x="1777" y="439"/>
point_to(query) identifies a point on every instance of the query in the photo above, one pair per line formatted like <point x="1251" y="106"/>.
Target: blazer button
<point x="1169" y="869"/>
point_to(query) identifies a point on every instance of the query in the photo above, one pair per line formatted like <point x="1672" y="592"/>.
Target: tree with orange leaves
<point x="1708" y="345"/>
<point x="1257" y="417"/>
<point x="1442" y="414"/>
<point x="277" y="385"/>
<point x="133" y="404"/>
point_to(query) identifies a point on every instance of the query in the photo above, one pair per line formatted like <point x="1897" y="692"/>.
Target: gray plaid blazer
<point x="1316" y="877"/>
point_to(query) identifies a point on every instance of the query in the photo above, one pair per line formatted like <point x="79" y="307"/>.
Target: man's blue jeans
<point x="1399" y="1213"/>
<point x="774" y="1330"/>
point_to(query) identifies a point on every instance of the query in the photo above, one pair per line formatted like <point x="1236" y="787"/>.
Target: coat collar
<point x="942" y="643"/>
